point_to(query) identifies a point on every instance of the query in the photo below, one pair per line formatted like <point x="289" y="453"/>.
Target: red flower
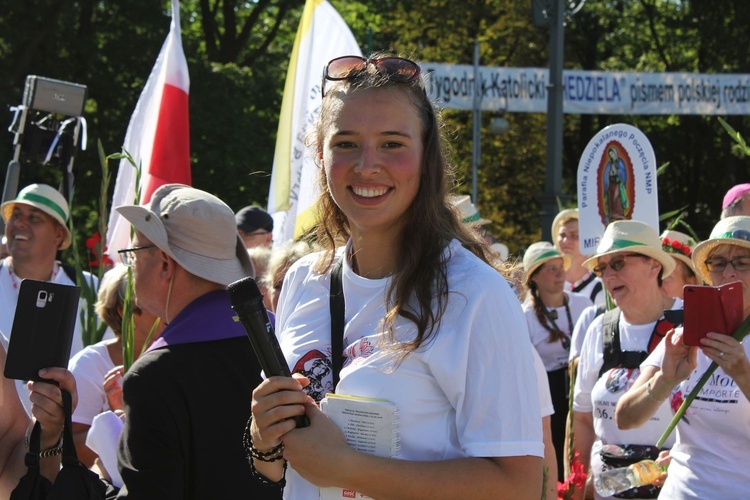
<point x="666" y="241"/>
<point x="577" y="475"/>
<point x="94" y="245"/>
<point x="676" y="245"/>
<point x="686" y="250"/>
<point x="676" y="401"/>
<point x="576" y="479"/>
<point x="93" y="241"/>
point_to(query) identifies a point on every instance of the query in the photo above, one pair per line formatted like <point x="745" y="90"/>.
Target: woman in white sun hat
<point x="551" y="315"/>
<point x="710" y="456"/>
<point x="632" y="264"/>
<point x="680" y="246"/>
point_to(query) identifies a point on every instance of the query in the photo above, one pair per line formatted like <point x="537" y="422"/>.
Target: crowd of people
<point x="483" y="356"/>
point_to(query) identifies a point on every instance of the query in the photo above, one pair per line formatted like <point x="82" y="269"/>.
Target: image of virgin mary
<point x="616" y="203"/>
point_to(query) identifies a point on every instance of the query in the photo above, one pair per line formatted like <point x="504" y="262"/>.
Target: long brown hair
<point x="431" y="221"/>
<point x="540" y="310"/>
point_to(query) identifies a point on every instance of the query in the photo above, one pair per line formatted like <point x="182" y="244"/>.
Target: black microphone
<point x="247" y="302"/>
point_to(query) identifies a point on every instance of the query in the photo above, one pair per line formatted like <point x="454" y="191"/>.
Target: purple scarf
<point x="207" y="318"/>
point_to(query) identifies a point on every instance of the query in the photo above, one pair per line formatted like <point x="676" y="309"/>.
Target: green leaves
<point x="740" y="148"/>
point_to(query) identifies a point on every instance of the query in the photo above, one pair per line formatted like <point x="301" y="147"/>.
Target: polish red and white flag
<point x="158" y="136"/>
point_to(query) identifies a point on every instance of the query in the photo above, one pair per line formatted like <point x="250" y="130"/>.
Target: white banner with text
<point x="524" y="90"/>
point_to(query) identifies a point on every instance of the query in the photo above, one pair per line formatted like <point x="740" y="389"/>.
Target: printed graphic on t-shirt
<point x="316" y="366"/>
<point x="363" y="348"/>
<point x="719" y="395"/>
<point x="620" y="379"/>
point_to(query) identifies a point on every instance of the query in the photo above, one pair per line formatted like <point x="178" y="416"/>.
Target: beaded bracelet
<point x="651" y="395"/>
<point x="271" y="456"/>
<point x="277" y="453"/>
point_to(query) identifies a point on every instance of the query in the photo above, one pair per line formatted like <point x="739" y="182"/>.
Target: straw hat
<point x="560" y="219"/>
<point x="635" y="237"/>
<point x="501" y="249"/>
<point x="730" y="231"/>
<point x="680" y="246"/>
<point x="196" y="229"/>
<point x="48" y="200"/>
<point x="539" y="253"/>
<point x="467" y="211"/>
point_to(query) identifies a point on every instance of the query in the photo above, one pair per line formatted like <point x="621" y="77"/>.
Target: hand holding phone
<point x="43" y="327"/>
<point x="711" y="309"/>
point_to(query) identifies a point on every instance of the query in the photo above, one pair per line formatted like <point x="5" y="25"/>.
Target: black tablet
<point x="43" y="327"/>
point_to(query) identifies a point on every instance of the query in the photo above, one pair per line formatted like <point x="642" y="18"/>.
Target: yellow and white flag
<point x="322" y="35"/>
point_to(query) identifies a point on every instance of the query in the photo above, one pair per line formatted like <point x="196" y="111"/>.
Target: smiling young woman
<point x="416" y="332"/>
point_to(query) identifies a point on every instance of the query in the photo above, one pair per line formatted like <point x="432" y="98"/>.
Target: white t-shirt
<point x="89" y="367"/>
<point x="554" y="354"/>
<point x="600" y="299"/>
<point x="449" y="406"/>
<point x="599" y="396"/>
<point x="545" y="396"/>
<point x="580" y="329"/>
<point x="712" y="450"/>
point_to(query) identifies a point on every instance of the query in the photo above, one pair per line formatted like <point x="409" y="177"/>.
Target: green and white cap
<point x="539" y="253"/>
<point x="728" y="231"/>
<point x="632" y="236"/>
<point x="48" y="200"/>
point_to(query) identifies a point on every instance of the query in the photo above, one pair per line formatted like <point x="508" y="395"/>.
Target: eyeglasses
<point x="717" y="265"/>
<point x="127" y="255"/>
<point x="395" y="69"/>
<point x="615" y="264"/>
<point x="551" y="269"/>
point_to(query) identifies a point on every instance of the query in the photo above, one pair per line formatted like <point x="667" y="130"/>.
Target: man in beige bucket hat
<point x="186" y="398"/>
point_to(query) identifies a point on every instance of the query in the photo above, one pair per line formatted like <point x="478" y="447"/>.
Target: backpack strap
<point x="595" y="291"/>
<point x="583" y="284"/>
<point x="337" y="308"/>
<point x="611" y="348"/>
<point x="70" y="272"/>
<point x="612" y="351"/>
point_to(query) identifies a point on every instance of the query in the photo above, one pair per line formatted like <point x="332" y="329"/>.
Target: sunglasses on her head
<point x="395" y="69"/>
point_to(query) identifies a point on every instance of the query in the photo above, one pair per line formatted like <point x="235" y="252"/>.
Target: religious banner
<point x="616" y="181"/>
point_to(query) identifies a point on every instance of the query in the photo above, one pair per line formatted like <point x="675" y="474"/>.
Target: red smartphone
<point x="711" y="309"/>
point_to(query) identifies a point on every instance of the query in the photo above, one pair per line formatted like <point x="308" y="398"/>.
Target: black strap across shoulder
<point x="583" y="284"/>
<point x="612" y="351"/>
<point x="595" y="291"/>
<point x="337" y="308"/>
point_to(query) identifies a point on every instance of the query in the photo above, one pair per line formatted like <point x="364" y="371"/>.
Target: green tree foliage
<point x="237" y="62"/>
<point x="238" y="54"/>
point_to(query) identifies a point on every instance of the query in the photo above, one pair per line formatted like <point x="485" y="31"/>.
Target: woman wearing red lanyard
<point x="551" y="315"/>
